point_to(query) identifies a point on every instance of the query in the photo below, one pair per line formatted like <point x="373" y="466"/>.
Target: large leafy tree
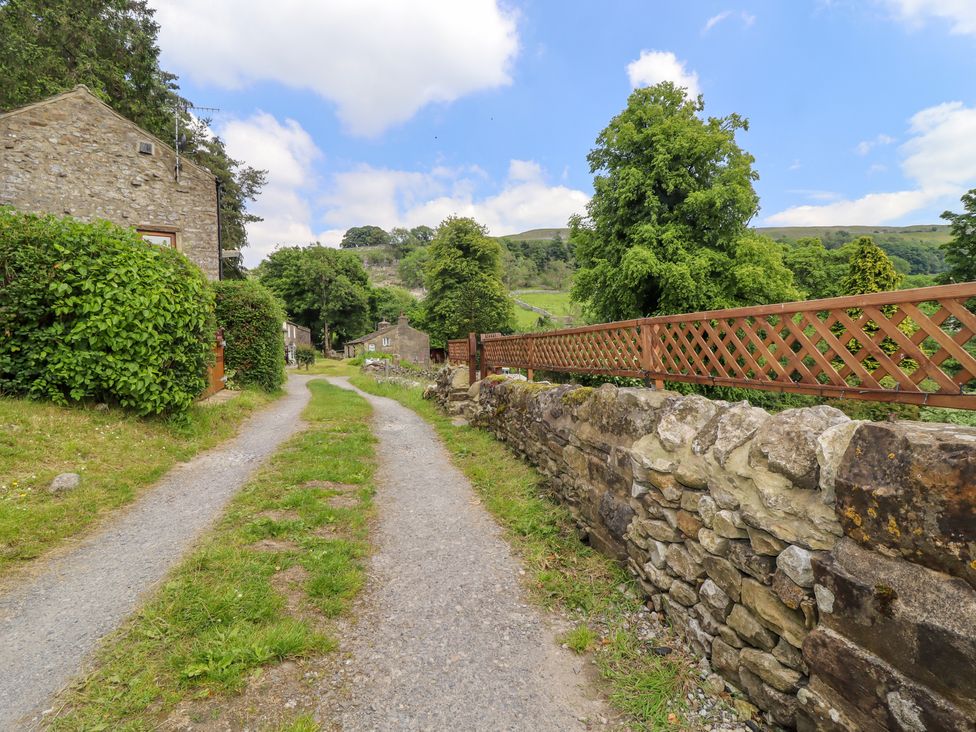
<point x="960" y="252"/>
<point x="464" y="286"/>
<point x="389" y="303"/>
<point x="869" y="269"/>
<point x="111" y="47"/>
<point x="665" y="230"/>
<point x="320" y="286"/>
<point x="817" y="271"/>
<point x="364" y="236"/>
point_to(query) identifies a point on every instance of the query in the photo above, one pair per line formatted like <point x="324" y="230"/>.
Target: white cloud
<point x="288" y="153"/>
<point x="715" y="20"/>
<point x="299" y="207"/>
<point x="379" y="61"/>
<point x="961" y="14"/>
<point x="653" y="67"/>
<point x="866" y="146"/>
<point x="816" y="195"/>
<point x="940" y="159"/>
<point x="389" y="198"/>
<point x="747" y="19"/>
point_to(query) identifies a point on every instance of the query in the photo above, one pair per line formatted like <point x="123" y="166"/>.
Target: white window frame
<point x="386" y="341"/>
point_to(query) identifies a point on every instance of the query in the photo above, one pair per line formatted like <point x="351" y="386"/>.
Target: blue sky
<point x="394" y="112"/>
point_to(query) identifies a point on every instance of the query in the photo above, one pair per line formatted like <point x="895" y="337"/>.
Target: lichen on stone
<point x="577" y="396"/>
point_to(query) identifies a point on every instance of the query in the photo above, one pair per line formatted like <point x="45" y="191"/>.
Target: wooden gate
<point x="215" y="374"/>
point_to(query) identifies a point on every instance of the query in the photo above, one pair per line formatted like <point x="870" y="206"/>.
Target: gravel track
<point x="51" y="622"/>
<point x="446" y="639"/>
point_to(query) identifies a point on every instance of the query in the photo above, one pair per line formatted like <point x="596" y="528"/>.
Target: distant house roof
<point x="371" y="336"/>
<point x="82" y="90"/>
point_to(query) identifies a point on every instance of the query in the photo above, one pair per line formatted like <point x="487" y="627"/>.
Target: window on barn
<point x="372" y="347"/>
<point x="386" y="342"/>
<point x="161" y="238"/>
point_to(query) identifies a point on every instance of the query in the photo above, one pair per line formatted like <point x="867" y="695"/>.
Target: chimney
<point x="402" y="320"/>
<point x="382" y="324"/>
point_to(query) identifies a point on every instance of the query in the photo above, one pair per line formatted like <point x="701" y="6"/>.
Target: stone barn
<point x="74" y="155"/>
<point x="400" y="339"/>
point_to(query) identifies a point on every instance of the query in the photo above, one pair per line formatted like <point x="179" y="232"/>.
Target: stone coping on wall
<point x="825" y="566"/>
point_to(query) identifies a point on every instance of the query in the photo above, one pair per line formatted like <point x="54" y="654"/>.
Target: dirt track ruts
<point x="52" y="620"/>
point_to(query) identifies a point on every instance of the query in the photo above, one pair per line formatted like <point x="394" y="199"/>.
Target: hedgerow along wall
<point x="826" y="567"/>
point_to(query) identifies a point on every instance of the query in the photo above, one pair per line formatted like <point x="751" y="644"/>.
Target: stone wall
<point x="72" y="155"/>
<point x="825" y="567"/>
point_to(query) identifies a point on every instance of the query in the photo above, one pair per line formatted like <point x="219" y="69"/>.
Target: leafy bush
<point x="92" y="312"/>
<point x="251" y="318"/>
<point x="305" y="355"/>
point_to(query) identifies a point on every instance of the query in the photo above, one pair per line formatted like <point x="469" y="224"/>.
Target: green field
<point x="557" y="303"/>
<point x="525" y="320"/>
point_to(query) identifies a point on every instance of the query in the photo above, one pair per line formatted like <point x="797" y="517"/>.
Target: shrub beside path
<point x="54" y="618"/>
<point x="446" y="637"/>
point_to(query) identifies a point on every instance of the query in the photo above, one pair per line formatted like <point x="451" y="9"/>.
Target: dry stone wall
<point x="826" y="567"/>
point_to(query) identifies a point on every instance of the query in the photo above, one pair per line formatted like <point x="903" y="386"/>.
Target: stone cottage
<point x="295" y="336"/>
<point x="72" y="154"/>
<point x="401" y="340"/>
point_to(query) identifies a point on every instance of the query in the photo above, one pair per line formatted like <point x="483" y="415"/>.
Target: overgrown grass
<point x="332" y="367"/>
<point x="563" y="572"/>
<point x="116" y="454"/>
<point x="222" y="613"/>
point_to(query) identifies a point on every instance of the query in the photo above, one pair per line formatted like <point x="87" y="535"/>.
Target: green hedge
<point x="251" y="318"/>
<point x="92" y="312"/>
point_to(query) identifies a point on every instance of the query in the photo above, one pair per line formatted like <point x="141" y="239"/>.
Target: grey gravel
<point x="51" y="621"/>
<point x="446" y="639"/>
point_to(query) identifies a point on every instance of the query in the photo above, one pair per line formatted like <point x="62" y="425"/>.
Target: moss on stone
<point x="534" y="388"/>
<point x="577" y="396"/>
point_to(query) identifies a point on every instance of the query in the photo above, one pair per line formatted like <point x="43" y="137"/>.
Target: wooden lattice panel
<point x="457" y="351"/>
<point x="916" y="346"/>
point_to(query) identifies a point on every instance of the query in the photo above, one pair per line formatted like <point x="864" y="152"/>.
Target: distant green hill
<point x="932" y="234"/>
<point x="537" y="235"/>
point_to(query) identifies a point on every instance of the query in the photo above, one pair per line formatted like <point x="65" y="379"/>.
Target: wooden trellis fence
<point x="912" y="346"/>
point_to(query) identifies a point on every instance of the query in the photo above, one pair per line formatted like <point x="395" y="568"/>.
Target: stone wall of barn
<point x="826" y="567"/>
<point x="72" y="155"/>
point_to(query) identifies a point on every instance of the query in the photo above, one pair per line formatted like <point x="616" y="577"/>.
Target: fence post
<point x="530" y="371"/>
<point x="647" y="355"/>
<point x="472" y="357"/>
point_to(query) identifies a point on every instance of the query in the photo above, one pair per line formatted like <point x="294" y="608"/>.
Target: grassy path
<point x="234" y="634"/>
<point x="611" y="626"/>
<point x="117" y="455"/>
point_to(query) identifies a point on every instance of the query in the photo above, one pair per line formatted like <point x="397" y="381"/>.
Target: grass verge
<point x="116" y="454"/>
<point x="331" y="367"/>
<point x="564" y="574"/>
<point x="286" y="557"/>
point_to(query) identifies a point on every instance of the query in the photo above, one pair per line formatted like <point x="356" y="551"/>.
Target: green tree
<point x="412" y="266"/>
<point x="111" y="47"/>
<point x="869" y="269"/>
<point x="423" y="234"/>
<point x="320" y="286"/>
<point x="960" y="252"/>
<point x="665" y="230"/>
<point x="817" y="271"/>
<point x="464" y="285"/>
<point x="388" y="303"/>
<point x="364" y="236"/>
<point x="402" y="242"/>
